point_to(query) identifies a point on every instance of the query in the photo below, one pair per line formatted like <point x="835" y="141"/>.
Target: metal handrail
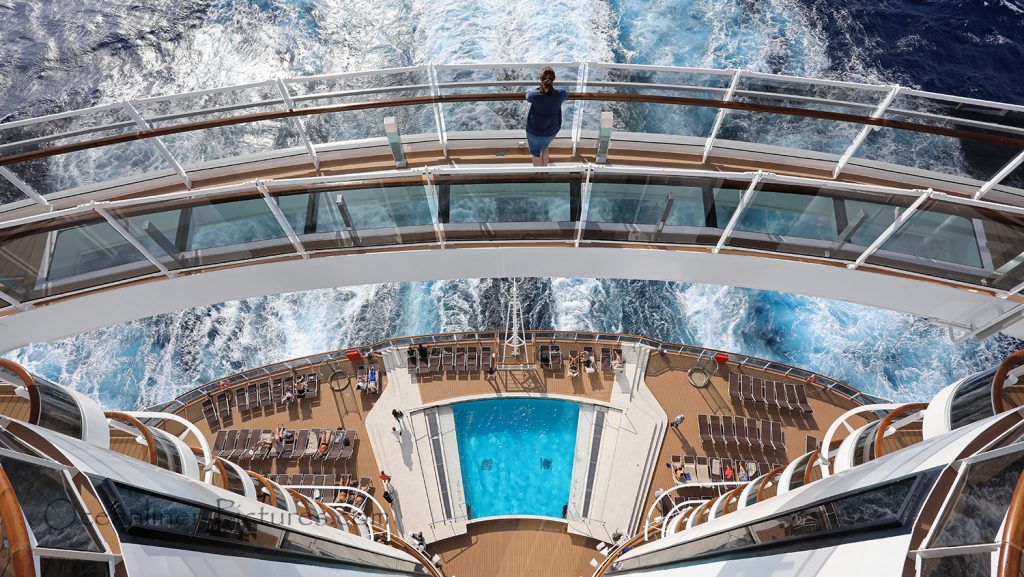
<point x="888" y="420"/>
<point x="18" y="542"/>
<point x="1012" y="542"/>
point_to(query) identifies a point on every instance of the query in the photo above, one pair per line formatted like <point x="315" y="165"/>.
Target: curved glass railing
<point x="933" y="235"/>
<point x="308" y="363"/>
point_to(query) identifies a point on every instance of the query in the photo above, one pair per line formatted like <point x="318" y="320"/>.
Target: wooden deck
<point x="528" y="546"/>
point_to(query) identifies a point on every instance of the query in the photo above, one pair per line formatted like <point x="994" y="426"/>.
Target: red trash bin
<point x="721" y="358"/>
<point x="353" y="355"/>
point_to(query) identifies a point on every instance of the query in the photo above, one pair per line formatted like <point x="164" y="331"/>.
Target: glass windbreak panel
<point x="935" y="242"/>
<point x="797" y="479"/>
<point x="58" y="410"/>
<point x="360" y="124"/>
<point x="378" y="215"/>
<point x="972" y="400"/>
<point x="208" y="233"/>
<point x="865" y="448"/>
<point x="957" y="565"/>
<point x="542" y="208"/>
<point x="54" y="567"/>
<point x="66" y="254"/>
<point x="193" y="150"/>
<point x="980" y="502"/>
<point x="167" y="455"/>
<point x="9" y="193"/>
<point x="51" y="506"/>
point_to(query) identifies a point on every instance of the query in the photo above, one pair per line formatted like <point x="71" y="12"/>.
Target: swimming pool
<point x="516" y="455"/>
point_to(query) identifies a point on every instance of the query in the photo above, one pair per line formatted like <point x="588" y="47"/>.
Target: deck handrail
<point x="18" y="542"/>
<point x="1011" y="544"/>
<point x="1014" y="360"/>
<point x="888" y="420"/>
<point x="147" y="435"/>
<point x="29" y="381"/>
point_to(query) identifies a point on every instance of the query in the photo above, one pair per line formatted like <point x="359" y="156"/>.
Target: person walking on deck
<point x="545" y="117"/>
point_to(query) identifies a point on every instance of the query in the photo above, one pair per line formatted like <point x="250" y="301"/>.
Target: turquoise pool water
<point x="516" y="455"/>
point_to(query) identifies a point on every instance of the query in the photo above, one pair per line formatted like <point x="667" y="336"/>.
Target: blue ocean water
<point x="58" y="56"/>
<point x="516" y="455"/>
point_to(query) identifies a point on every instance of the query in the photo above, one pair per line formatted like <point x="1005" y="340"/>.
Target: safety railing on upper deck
<point x="328" y="358"/>
<point x="960" y="222"/>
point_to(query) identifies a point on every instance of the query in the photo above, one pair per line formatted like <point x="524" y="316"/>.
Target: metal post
<point x="346" y="218"/>
<point x="604" y="138"/>
<point x="281" y="220"/>
<point x="432" y="201"/>
<point x="887" y="233"/>
<point x="748" y="195"/>
<point x="665" y="214"/>
<point x="847" y="233"/>
<point x="879" y="111"/>
<point x="584" y="205"/>
<point x="15" y="302"/>
<point x="299" y="125"/>
<point x="394" y="140"/>
<point x="144" y="126"/>
<point x="582" y="71"/>
<point x="25" y="188"/>
<point x="721" y="115"/>
<point x="121" y="230"/>
<point x="435" y="92"/>
<point x="1002" y="174"/>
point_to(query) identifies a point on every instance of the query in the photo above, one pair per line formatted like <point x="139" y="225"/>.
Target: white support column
<point x="605" y="137"/>
<point x="144" y="126"/>
<point x="879" y="111"/>
<point x="748" y="195"/>
<point x="582" y="71"/>
<point x="25" y="188"/>
<point x="297" y="121"/>
<point x="721" y="114"/>
<point x="435" y="92"/>
<point x="208" y="464"/>
<point x="887" y="233"/>
<point x="394" y="140"/>
<point x="281" y="220"/>
<point x="121" y="230"/>
<point x="1000" y="176"/>
<point x="584" y="205"/>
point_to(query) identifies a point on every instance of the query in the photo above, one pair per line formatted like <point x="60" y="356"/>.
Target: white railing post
<point x="121" y="230"/>
<point x="434" y="203"/>
<point x="275" y="209"/>
<point x="25" y="188"/>
<point x="435" y="92"/>
<point x="394" y="140"/>
<point x="584" y="205"/>
<point x="887" y="233"/>
<point x="144" y="126"/>
<point x="1000" y="176"/>
<point x="721" y="114"/>
<point x="604" y="138"/>
<point x="748" y="195"/>
<point x="582" y="71"/>
<point x="299" y="125"/>
<point x="863" y="134"/>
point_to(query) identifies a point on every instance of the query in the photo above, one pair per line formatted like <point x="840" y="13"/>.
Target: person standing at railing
<point x="545" y="117"/>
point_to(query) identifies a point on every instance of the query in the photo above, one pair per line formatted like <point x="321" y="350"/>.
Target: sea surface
<point x="62" y="55"/>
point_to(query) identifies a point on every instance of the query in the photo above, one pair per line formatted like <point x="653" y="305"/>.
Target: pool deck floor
<point x="652" y="389"/>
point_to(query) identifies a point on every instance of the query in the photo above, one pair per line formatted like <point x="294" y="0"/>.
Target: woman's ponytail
<point x="547" y="80"/>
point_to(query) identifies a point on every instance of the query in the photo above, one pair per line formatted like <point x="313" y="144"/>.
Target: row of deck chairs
<point x="712" y="469"/>
<point x="550" y="356"/>
<point x="740" y="431"/>
<point x="243" y="444"/>
<point x="308" y="479"/>
<point x="771" y="393"/>
<point x="449" y="359"/>
<point x="253" y="396"/>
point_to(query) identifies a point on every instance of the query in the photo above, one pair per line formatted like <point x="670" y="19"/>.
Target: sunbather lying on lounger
<point x="325" y="444"/>
<point x="574" y="370"/>
<point x="617" y="363"/>
<point x="289" y="394"/>
<point x="300" y="386"/>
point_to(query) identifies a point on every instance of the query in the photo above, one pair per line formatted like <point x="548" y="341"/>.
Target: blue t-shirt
<point x="545" y="118"/>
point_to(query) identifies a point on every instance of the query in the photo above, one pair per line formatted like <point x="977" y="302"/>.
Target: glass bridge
<point x="885" y="179"/>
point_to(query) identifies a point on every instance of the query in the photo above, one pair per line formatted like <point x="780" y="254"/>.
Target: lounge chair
<point x="810" y="443"/>
<point x="780" y="395"/>
<point x="728" y="429"/>
<point x="334" y="451"/>
<point x="777" y="439"/>
<point x="312" y="444"/>
<point x="703" y="473"/>
<point x="239" y="446"/>
<point x="412" y="359"/>
<point x="242" y="400"/>
<point x="299" y="442"/>
<point x="327" y="495"/>
<point x="486" y="358"/>
<point x="704" y="427"/>
<point x="716" y="470"/>
<point x="219" y="442"/>
<point x="747" y="389"/>
<point x="252" y="393"/>
<point x="666" y="503"/>
<point x="349" y="448"/>
<point x="801" y="399"/>
<point x="210" y="413"/>
<point x="766" y="434"/>
<point x="224" y="405"/>
<point x="229" y="444"/>
<point x="460" y="358"/>
<point x="716" y="429"/>
<point x="593" y="358"/>
<point x="763" y="469"/>
<point x="726" y="463"/>
<point x="734" y="386"/>
<point x="319" y="481"/>
<point x="472" y="359"/>
<point x="260" y="453"/>
<point x="544" y="356"/>
<point x="556" y="357"/>
<point x="751" y="469"/>
<point x="769" y="394"/>
<point x="306" y="479"/>
<point x="690" y="466"/>
<point x="266" y="400"/>
<point x="424" y="365"/>
<point x="448" y="358"/>
<point x="757" y="392"/>
<point x="435" y="359"/>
